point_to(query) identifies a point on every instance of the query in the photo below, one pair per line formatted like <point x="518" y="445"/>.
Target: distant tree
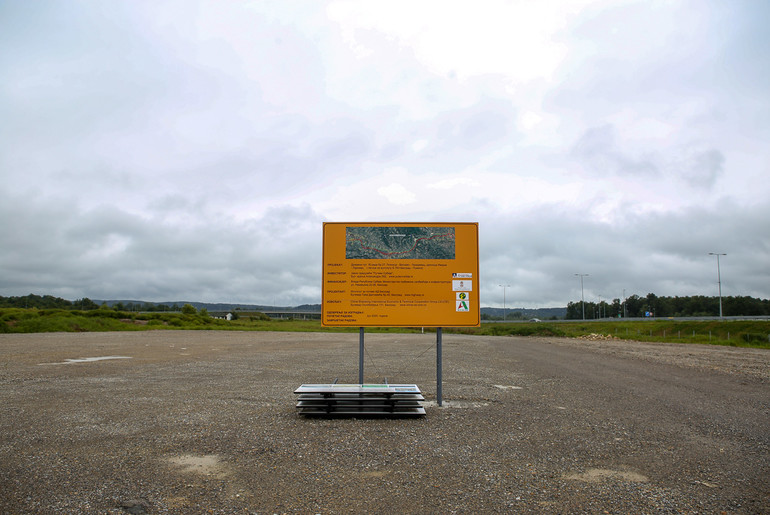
<point x="189" y="309"/>
<point x="733" y="306"/>
<point x="697" y="305"/>
<point x="85" y="304"/>
<point x="634" y="306"/>
<point x="573" y="311"/>
<point x="651" y="305"/>
<point x="35" y="301"/>
<point x="664" y="306"/>
<point x="615" y="310"/>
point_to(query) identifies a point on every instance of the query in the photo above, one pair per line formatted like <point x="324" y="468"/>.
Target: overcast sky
<point x="191" y="150"/>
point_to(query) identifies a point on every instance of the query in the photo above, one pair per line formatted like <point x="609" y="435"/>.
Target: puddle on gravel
<point x="207" y="464"/>
<point x="598" y="475"/>
<point x="455" y="404"/>
<point x="86" y="360"/>
<point x="374" y="473"/>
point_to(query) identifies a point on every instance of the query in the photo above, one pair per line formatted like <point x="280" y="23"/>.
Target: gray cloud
<point x="166" y="152"/>
<point x="666" y="254"/>
<point x="702" y="168"/>
<point x="601" y="153"/>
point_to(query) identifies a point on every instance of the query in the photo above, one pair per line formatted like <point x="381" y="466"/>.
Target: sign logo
<point x="462" y="285"/>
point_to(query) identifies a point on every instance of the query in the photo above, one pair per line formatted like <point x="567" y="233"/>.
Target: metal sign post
<point x="401" y="274"/>
<point x="438" y="367"/>
<point x="361" y="355"/>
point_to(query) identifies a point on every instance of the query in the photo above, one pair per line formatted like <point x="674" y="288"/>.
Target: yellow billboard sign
<point x="400" y="274"/>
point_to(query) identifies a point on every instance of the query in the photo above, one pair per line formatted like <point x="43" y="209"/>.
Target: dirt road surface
<point x="205" y="422"/>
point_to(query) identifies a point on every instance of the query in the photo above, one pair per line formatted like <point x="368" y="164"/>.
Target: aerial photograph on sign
<point x="399" y="242"/>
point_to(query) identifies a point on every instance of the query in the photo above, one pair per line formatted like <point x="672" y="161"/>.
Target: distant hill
<point x="633" y="307"/>
<point x="211" y="306"/>
<point x="541" y="313"/>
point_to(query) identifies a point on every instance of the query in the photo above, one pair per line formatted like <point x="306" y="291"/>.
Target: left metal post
<point x="361" y="355"/>
<point x="439" y="366"/>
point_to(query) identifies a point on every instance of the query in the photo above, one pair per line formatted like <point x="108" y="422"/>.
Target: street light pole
<point x="719" y="279"/>
<point x="504" y="286"/>
<point x="582" y="299"/>
<point x="624" y="303"/>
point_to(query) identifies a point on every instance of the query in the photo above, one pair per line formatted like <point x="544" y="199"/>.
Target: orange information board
<point x="401" y="274"/>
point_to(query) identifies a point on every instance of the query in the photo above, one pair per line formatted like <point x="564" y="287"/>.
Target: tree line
<point x="633" y="306"/>
<point x="84" y="304"/>
<point x="654" y="306"/>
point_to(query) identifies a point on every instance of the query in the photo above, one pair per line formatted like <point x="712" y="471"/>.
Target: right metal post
<point x="361" y="355"/>
<point x="439" y="392"/>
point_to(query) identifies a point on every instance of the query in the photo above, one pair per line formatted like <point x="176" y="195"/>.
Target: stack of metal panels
<point x="402" y="400"/>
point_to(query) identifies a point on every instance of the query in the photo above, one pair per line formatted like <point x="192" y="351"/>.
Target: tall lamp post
<point x="582" y="299"/>
<point x="504" y="286"/>
<point x="624" y="303"/>
<point x="719" y="279"/>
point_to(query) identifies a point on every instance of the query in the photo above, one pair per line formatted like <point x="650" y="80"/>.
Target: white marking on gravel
<point x="208" y="464"/>
<point x="598" y="475"/>
<point x="455" y="404"/>
<point x="86" y="360"/>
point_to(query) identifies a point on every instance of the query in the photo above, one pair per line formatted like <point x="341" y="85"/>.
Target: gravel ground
<point x="730" y="360"/>
<point x="204" y="422"/>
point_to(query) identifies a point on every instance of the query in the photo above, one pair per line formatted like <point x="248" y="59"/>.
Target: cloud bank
<point x="192" y="150"/>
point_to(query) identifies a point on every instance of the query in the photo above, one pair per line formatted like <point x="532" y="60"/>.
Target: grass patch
<point x="737" y="333"/>
<point x="21" y="320"/>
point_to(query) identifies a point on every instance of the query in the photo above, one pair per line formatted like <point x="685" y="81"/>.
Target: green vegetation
<point x="741" y="333"/>
<point x="695" y="306"/>
<point x="84" y="304"/>
<point x="737" y="333"/>
<point x="22" y="320"/>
